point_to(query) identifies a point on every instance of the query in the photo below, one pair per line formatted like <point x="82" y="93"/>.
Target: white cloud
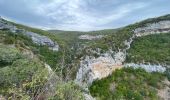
<point x="72" y="14"/>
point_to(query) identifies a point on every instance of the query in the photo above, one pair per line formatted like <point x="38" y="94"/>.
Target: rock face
<point x="90" y="37"/>
<point x="42" y="40"/>
<point x="148" y="68"/>
<point x="36" y="38"/>
<point x="153" y="28"/>
<point x="6" y="26"/>
<point x="96" y="68"/>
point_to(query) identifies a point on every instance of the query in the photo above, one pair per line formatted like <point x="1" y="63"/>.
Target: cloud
<point x="72" y="14"/>
<point x="77" y="14"/>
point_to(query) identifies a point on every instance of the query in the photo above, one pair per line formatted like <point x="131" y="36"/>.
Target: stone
<point x="153" y="28"/>
<point x="90" y="37"/>
<point x="148" y="68"/>
<point x="98" y="68"/>
<point x="42" y="40"/>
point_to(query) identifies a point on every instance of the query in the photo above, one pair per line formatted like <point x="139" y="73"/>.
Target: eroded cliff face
<point x="42" y="40"/>
<point x="92" y="68"/>
<point x="153" y="28"/>
<point x="36" y="38"/>
<point x="96" y="68"/>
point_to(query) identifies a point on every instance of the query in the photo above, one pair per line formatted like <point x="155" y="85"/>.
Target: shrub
<point x="129" y="84"/>
<point x="8" y="55"/>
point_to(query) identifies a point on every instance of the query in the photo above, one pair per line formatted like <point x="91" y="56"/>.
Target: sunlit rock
<point x="96" y="68"/>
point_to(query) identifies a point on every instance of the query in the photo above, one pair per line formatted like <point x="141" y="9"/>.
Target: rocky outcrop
<point x="92" y="68"/>
<point x="90" y="37"/>
<point x="148" y="68"/>
<point x="153" y="28"/>
<point x="36" y="38"/>
<point x="96" y="68"/>
<point x="42" y="40"/>
<point x="4" y="25"/>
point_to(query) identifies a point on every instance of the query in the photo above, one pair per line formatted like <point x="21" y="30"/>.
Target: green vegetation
<point x="22" y="42"/>
<point x="168" y="73"/>
<point x="8" y="55"/>
<point x="153" y="48"/>
<point x="67" y="91"/>
<point x="128" y="84"/>
<point x="24" y="77"/>
<point x="19" y="73"/>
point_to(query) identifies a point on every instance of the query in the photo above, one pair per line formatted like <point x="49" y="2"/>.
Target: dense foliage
<point x="18" y="71"/>
<point x="8" y="55"/>
<point x="153" y="48"/>
<point x="128" y="84"/>
<point x="67" y="91"/>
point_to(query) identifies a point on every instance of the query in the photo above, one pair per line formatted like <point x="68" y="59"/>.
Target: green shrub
<point x="153" y="48"/>
<point x="67" y="91"/>
<point x="128" y="84"/>
<point x="8" y="55"/>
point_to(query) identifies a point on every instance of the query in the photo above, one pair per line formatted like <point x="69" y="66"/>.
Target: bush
<point x="153" y="48"/>
<point x="67" y="91"/>
<point x="8" y="55"/>
<point x="128" y="84"/>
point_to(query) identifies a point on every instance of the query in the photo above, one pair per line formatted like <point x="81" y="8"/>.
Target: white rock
<point x="148" y="68"/>
<point x="97" y="68"/>
<point x="36" y="38"/>
<point x="90" y="37"/>
<point x="153" y="28"/>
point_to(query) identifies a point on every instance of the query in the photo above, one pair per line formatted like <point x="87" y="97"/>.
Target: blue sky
<point x="81" y="15"/>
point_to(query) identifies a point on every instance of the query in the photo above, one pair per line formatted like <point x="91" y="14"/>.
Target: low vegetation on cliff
<point x="128" y="84"/>
<point x="153" y="49"/>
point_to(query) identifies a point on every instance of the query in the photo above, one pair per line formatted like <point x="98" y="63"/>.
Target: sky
<point x="81" y="15"/>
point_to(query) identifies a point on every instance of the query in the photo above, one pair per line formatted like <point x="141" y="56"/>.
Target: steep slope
<point x="25" y="73"/>
<point x="87" y="57"/>
<point x="148" y="51"/>
<point x="116" y="46"/>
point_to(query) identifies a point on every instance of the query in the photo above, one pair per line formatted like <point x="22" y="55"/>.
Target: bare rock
<point x="148" y="68"/>
<point x="36" y="38"/>
<point x="153" y="28"/>
<point x="90" y="37"/>
<point x="42" y="40"/>
<point x="97" y="68"/>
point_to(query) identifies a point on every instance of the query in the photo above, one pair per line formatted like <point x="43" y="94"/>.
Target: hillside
<point x="132" y="62"/>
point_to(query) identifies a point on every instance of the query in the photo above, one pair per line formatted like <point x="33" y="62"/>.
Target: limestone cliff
<point x="92" y="68"/>
<point x="36" y="38"/>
